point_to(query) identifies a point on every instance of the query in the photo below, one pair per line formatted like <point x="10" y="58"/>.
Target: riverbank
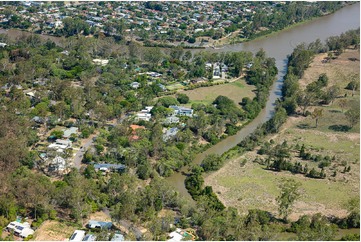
<point x="244" y="184"/>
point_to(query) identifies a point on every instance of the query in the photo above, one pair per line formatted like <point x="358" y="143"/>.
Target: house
<point x="135" y="85"/>
<point x="90" y="237"/>
<point x="57" y="164"/>
<point x="38" y="120"/>
<point x="60" y="144"/>
<point x="182" y="111"/>
<point x="93" y="224"/>
<point x="100" y="62"/>
<point x="20" y="229"/>
<point x="78" y="235"/>
<point x="108" y="167"/>
<point x="68" y="132"/>
<point x="118" y="237"/>
<point x="180" y="235"/>
<point x="143" y="116"/>
<point x="164" y="89"/>
<point x="176" y="235"/>
<point x="23" y="232"/>
<point x="134" y="127"/>
<point x="29" y="93"/>
<point x="171" y="120"/>
<point x="169" y="134"/>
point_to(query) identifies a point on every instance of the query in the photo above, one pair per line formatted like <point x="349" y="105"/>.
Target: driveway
<point x="85" y="144"/>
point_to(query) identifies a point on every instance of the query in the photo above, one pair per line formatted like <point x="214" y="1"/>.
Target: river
<point x="278" y="45"/>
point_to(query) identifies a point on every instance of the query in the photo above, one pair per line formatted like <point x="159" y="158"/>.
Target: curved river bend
<point x="278" y="46"/>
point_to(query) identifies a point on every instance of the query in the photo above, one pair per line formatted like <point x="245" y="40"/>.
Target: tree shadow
<point x="339" y="128"/>
<point x="353" y="59"/>
<point x="335" y="111"/>
<point x="303" y="126"/>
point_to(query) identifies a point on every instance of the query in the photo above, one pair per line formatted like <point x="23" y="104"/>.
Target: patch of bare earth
<point x="53" y="231"/>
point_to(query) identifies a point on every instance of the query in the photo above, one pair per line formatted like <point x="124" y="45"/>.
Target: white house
<point x="135" y="85"/>
<point x="144" y="116"/>
<point x="57" y="164"/>
<point x="60" y="144"/>
<point x="182" y="111"/>
<point x="100" y="62"/>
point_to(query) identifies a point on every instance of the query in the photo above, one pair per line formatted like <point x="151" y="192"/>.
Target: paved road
<point x="79" y="154"/>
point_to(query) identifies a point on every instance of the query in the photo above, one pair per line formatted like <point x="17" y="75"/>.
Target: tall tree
<point x="317" y="114"/>
<point x="290" y="192"/>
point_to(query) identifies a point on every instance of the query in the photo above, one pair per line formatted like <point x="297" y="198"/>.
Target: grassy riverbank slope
<point x="252" y="186"/>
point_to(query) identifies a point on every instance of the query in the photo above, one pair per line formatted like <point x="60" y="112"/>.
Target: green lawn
<point x="235" y="91"/>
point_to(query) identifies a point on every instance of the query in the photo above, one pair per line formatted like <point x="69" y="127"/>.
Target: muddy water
<point x="278" y="46"/>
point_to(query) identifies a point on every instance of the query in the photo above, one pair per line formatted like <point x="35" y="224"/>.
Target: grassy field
<point x="235" y="91"/>
<point x="252" y="186"/>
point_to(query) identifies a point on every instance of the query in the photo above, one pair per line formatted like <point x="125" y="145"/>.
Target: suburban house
<point x="78" y="235"/>
<point x="108" y="167"/>
<point x="68" y="132"/>
<point x="90" y="237"/>
<point x="135" y="85"/>
<point x="170" y="133"/>
<point x="58" y="164"/>
<point x="93" y="224"/>
<point x="60" y="144"/>
<point x="144" y="114"/>
<point x="134" y="128"/>
<point x="180" y="235"/>
<point x="29" y="93"/>
<point x="171" y="120"/>
<point x="182" y="111"/>
<point x="118" y="237"/>
<point x="20" y="229"/>
<point x="100" y="62"/>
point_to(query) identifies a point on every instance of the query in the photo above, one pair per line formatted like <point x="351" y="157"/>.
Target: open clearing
<point x="252" y="186"/>
<point x="235" y="90"/>
<point x="54" y="231"/>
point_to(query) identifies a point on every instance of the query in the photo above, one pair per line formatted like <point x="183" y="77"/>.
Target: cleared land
<point x="54" y="231"/>
<point x="235" y="90"/>
<point x="252" y="186"/>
